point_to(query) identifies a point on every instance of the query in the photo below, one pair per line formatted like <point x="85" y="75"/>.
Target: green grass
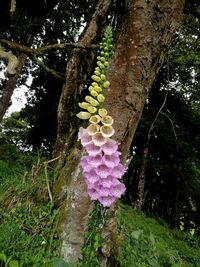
<point x="27" y="218"/>
<point x="28" y="225"/>
<point x="145" y="242"/>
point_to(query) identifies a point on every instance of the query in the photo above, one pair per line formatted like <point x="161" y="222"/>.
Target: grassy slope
<point x="26" y="216"/>
<point x="26" y="221"/>
<point x="146" y="242"/>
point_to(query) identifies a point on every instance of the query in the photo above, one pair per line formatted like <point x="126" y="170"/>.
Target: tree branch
<point x="12" y="8"/>
<point x="34" y="52"/>
<point x="47" y="69"/>
<point x="157" y="115"/>
<point x="47" y="48"/>
<point x="31" y="53"/>
<point x="22" y="48"/>
<point x="173" y="128"/>
<point x="44" y="49"/>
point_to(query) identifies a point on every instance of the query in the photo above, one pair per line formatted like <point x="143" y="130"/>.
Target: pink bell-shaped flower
<point x="103" y="171"/>
<point x="118" y="171"/>
<point x="93" y="150"/>
<point x="106" y="201"/>
<point x="110" y="147"/>
<point x="117" y="190"/>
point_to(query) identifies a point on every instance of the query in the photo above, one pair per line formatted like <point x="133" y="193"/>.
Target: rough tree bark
<point x="75" y="78"/>
<point x="69" y="190"/>
<point x="10" y="86"/>
<point x="143" y="38"/>
<point x="12" y="81"/>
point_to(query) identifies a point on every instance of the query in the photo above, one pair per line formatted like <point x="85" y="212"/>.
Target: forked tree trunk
<point x="142" y="41"/>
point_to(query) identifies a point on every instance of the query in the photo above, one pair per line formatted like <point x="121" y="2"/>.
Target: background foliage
<point x="172" y="176"/>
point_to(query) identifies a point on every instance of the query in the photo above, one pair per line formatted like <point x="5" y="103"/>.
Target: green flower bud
<point x="100" y="64"/>
<point x="96" y="96"/>
<point x="94" y="84"/>
<point x="83" y="115"/>
<point x="84" y="105"/>
<point x="92" y="109"/>
<point x="96" y="78"/>
<point x="91" y="88"/>
<point x="97" y="88"/>
<point x="106" y="84"/>
<point x="97" y="72"/>
<point x="102" y="112"/>
<point x="101" y="98"/>
<point x="103" y="77"/>
<point x="92" y="101"/>
<point x="94" y="93"/>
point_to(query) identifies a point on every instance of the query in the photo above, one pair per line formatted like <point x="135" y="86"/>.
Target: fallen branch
<point x="46" y="176"/>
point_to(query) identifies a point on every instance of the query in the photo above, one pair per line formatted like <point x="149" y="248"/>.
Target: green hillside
<point x="28" y="222"/>
<point x="149" y="242"/>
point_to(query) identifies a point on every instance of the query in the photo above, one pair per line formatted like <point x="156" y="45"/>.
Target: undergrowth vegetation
<point x="147" y="242"/>
<point x="27" y="217"/>
<point x="28" y="223"/>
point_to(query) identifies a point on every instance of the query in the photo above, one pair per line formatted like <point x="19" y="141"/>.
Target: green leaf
<point x="3" y="257"/>
<point x="136" y="234"/>
<point x="58" y="263"/>
<point x="152" y="239"/>
<point x="13" y="263"/>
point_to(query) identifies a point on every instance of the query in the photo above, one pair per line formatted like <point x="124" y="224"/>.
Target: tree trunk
<point x="146" y="31"/>
<point x="76" y="73"/>
<point x="10" y="86"/>
<point x="70" y="190"/>
<point x="141" y="183"/>
<point x="175" y="211"/>
<point x="142" y="175"/>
